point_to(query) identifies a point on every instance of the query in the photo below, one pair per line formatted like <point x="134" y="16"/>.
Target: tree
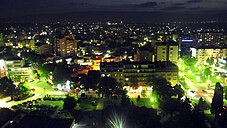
<point x="108" y="85"/>
<point x="217" y="100"/>
<point x="93" y="79"/>
<point x="61" y="74"/>
<point x="207" y="72"/>
<point x="163" y="88"/>
<point x="24" y="90"/>
<point x="210" y="61"/>
<point x="7" y="87"/>
<point x="125" y="101"/>
<point x="225" y="92"/>
<point x="69" y="103"/>
<point x="143" y="117"/>
<point x="177" y="90"/>
<point x="189" y="61"/>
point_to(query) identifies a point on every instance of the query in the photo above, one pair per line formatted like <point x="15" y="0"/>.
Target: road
<point x="41" y="88"/>
<point x="202" y="89"/>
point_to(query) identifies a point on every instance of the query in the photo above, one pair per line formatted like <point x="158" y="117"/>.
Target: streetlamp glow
<point x="197" y="78"/>
<point x="218" y="77"/>
<point x="117" y="121"/>
<point x="189" y="72"/>
<point x="208" y="81"/>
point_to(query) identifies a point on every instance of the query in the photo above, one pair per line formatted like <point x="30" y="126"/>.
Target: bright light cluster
<point x="117" y="121"/>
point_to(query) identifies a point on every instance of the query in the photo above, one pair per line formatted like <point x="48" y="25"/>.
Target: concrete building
<point x="203" y="53"/>
<point x="17" y="70"/>
<point x="167" y="52"/>
<point x="43" y="49"/>
<point x="143" y="55"/>
<point x="27" y="43"/>
<point x="67" y="46"/>
<point x="140" y="73"/>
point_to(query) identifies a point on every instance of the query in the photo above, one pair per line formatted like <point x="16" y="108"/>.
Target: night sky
<point x="11" y="8"/>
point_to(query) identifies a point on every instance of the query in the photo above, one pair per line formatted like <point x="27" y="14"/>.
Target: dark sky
<point x="11" y="8"/>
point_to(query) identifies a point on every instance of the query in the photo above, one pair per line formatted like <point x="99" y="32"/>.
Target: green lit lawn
<point x="54" y="103"/>
<point x="144" y="102"/>
<point x="86" y="105"/>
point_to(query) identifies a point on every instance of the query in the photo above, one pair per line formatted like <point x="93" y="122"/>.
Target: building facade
<point x="143" y="55"/>
<point x="140" y="73"/>
<point x="44" y="49"/>
<point x="203" y="53"/>
<point x="67" y="46"/>
<point x="167" y="52"/>
<point x="17" y="70"/>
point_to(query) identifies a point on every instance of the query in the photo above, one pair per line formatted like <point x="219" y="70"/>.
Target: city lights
<point x="139" y="70"/>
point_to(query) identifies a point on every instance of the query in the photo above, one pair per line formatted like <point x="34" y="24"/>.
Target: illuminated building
<point x="43" y="49"/>
<point x="96" y="64"/>
<point x="167" y="52"/>
<point x="140" y="73"/>
<point x="68" y="46"/>
<point x="17" y="70"/>
<point x="210" y="38"/>
<point x="112" y="59"/>
<point x="203" y="53"/>
<point x="28" y="43"/>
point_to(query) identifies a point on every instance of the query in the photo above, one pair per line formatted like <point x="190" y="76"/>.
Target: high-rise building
<point x="167" y="52"/>
<point x="140" y="73"/>
<point x="68" y="46"/>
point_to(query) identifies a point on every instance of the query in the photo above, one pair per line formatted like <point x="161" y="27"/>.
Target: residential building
<point x="43" y="49"/>
<point x="68" y="46"/>
<point x="210" y="38"/>
<point x="17" y="70"/>
<point x="27" y="43"/>
<point x="203" y="53"/>
<point x="143" y="55"/>
<point x="167" y="52"/>
<point x="140" y="73"/>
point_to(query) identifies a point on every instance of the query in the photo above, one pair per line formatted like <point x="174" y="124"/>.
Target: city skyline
<point x="113" y="63"/>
